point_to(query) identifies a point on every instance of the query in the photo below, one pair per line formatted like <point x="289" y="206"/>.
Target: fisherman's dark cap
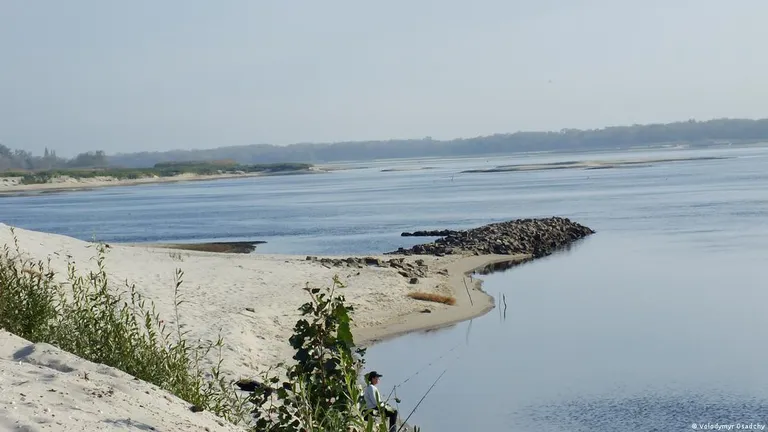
<point x="373" y="374"/>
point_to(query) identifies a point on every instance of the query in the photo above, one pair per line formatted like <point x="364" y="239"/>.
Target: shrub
<point x="320" y="391"/>
<point x="27" y="297"/>
<point x="39" y="178"/>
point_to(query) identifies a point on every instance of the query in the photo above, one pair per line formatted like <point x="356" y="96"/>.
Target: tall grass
<point x="118" y="328"/>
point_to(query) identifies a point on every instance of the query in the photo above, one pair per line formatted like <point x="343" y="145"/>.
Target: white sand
<point x="217" y="289"/>
<point x="43" y="388"/>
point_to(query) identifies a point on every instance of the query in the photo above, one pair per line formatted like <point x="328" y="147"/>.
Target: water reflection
<point x="501" y="266"/>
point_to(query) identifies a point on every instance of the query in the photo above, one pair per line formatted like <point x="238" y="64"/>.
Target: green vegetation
<point x="24" y="160"/>
<point x="159" y="170"/>
<point x="319" y="392"/>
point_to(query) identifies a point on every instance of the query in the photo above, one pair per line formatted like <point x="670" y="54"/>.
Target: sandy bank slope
<point x="252" y="299"/>
<point x="43" y="388"/>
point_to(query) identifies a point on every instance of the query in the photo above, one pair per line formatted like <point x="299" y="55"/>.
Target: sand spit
<point x="252" y="300"/>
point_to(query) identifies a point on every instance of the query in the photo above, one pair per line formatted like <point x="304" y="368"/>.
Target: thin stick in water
<point x="468" y="294"/>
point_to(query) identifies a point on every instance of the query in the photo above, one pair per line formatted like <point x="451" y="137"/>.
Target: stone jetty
<point x="537" y="237"/>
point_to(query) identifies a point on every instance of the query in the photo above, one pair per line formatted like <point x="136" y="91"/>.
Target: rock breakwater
<point x="412" y="270"/>
<point x="537" y="237"/>
<point x="435" y="233"/>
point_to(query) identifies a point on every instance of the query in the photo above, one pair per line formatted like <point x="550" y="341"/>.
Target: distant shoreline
<point x="590" y="165"/>
<point x="9" y="188"/>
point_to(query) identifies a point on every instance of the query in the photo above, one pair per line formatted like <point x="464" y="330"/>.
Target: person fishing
<point x="374" y="404"/>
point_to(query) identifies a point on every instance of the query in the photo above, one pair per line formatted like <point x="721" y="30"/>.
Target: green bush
<point x="320" y="391"/>
<point x="38" y="178"/>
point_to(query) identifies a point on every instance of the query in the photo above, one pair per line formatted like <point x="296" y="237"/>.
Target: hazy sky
<point x="82" y="75"/>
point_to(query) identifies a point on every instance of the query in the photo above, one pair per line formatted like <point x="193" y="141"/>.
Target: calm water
<point x="656" y="322"/>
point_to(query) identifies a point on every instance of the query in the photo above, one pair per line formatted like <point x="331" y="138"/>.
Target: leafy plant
<point x="320" y="391"/>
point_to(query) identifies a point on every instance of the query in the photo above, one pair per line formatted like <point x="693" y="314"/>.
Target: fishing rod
<point x="394" y="388"/>
<point x="420" y="401"/>
<point x="429" y="364"/>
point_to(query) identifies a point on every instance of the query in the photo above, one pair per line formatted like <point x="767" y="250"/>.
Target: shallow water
<point x="655" y="322"/>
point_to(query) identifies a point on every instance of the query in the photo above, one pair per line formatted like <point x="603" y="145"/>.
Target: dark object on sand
<point x="248" y="385"/>
<point x="219" y="247"/>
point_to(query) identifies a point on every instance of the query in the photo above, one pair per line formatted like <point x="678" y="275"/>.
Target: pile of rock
<point x="412" y="270"/>
<point x="538" y="237"/>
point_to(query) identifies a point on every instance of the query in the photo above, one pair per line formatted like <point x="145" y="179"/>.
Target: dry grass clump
<point x="433" y="297"/>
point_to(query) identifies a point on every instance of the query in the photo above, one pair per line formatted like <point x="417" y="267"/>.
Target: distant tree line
<point x="695" y="133"/>
<point x="21" y="160"/>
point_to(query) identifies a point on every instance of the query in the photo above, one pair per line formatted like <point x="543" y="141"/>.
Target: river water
<point x="656" y="322"/>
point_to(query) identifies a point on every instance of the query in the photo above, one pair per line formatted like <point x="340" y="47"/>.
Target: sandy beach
<point x="250" y="299"/>
<point x="13" y="185"/>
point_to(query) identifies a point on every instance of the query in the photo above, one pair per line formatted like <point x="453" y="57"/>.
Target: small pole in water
<point x="504" y="298"/>
<point x="468" y="294"/>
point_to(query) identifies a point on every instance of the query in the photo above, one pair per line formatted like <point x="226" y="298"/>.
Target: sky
<point x="82" y="75"/>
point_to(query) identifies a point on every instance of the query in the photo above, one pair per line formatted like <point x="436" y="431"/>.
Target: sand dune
<point x="43" y="388"/>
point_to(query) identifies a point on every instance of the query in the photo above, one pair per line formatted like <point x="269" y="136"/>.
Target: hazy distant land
<point x="693" y="134"/>
<point x="687" y="134"/>
<point x="595" y="164"/>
